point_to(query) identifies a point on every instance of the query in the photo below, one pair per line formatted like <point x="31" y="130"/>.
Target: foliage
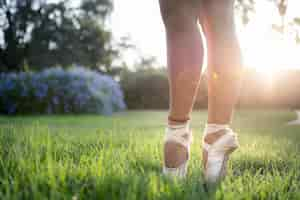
<point x="55" y="90"/>
<point x="277" y="89"/>
<point x="246" y="8"/>
<point x="41" y="33"/>
<point x="120" y="157"/>
<point x="147" y="88"/>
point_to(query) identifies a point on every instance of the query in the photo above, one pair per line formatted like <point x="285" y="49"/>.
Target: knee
<point x="178" y="18"/>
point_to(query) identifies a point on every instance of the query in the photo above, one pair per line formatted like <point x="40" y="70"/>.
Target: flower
<point x="56" y="90"/>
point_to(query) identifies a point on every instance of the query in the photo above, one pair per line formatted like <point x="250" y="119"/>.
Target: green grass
<point x="119" y="157"/>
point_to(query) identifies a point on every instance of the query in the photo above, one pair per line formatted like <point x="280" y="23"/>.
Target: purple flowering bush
<point x="55" y="90"/>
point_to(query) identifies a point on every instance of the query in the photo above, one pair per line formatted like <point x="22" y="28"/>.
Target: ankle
<point x="213" y="128"/>
<point x="177" y="126"/>
<point x="174" y="121"/>
<point x="212" y="132"/>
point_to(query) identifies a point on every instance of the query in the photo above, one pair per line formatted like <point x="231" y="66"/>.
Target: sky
<point x="262" y="48"/>
<point x="140" y="20"/>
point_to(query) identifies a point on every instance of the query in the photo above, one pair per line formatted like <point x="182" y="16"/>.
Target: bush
<point x="149" y="89"/>
<point x="54" y="90"/>
<point x="145" y="89"/>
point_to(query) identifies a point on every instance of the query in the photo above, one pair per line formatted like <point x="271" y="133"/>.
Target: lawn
<point x="119" y="157"/>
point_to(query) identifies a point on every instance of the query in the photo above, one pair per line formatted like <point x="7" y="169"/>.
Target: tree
<point x="293" y="26"/>
<point x="246" y="8"/>
<point x="40" y="34"/>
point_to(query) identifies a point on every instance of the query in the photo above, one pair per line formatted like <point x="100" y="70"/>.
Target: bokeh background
<point x="67" y="69"/>
<point x="102" y="56"/>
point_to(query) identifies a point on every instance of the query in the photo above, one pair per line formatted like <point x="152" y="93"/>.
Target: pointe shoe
<point x="218" y="154"/>
<point x="180" y="135"/>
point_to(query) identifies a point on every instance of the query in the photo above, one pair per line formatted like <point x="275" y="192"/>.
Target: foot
<point x="175" y="154"/>
<point x="217" y="146"/>
<point x="176" y="150"/>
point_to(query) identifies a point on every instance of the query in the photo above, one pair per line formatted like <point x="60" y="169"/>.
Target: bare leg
<point x="185" y="57"/>
<point x="224" y="62"/>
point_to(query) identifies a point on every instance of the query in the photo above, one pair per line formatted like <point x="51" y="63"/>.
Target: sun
<point x="265" y="49"/>
<point x="271" y="53"/>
